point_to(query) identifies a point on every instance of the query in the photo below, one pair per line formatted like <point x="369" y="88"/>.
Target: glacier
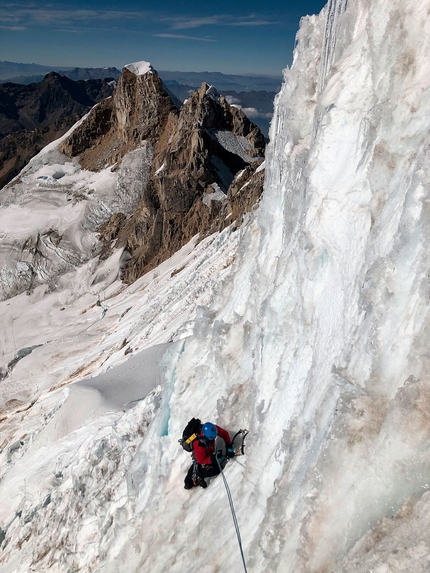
<point x="309" y="326"/>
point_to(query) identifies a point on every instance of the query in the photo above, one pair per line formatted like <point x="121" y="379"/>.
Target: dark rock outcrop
<point x="195" y="163"/>
<point x="32" y="116"/>
<point x="137" y="111"/>
<point x="42" y="104"/>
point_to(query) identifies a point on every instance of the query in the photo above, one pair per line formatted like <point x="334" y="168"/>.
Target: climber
<point x="202" y="441"/>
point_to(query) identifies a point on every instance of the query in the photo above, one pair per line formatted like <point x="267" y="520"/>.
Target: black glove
<point x="229" y="452"/>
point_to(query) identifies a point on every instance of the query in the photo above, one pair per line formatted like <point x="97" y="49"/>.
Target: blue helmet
<point x="209" y="431"/>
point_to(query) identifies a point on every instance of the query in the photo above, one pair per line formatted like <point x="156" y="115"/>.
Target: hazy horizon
<point x="51" y="66"/>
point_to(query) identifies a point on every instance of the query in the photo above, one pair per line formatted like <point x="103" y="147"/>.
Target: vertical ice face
<point x="318" y="341"/>
<point x="333" y="21"/>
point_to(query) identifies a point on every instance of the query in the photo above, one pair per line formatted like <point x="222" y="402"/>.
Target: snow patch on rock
<point x="140" y="68"/>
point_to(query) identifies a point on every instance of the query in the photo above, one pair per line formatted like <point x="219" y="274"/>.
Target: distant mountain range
<point x="75" y="74"/>
<point x="224" y="81"/>
<point x="32" y="73"/>
<point x="28" y="73"/>
<point x="10" y="70"/>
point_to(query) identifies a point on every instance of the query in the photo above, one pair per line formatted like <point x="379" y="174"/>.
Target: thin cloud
<point x="13" y="28"/>
<point x="183" y="37"/>
<point x="49" y="16"/>
<point x="181" y="23"/>
<point x="85" y="29"/>
<point x="250" y="23"/>
<point x="15" y="16"/>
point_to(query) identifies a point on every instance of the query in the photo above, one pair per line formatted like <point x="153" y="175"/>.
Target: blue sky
<point x="186" y="35"/>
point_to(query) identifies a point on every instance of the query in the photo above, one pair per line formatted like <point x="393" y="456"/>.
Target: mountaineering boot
<point x="188" y="486"/>
<point x="201" y="482"/>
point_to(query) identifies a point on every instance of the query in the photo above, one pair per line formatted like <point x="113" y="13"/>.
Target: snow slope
<point x="50" y="213"/>
<point x="310" y="328"/>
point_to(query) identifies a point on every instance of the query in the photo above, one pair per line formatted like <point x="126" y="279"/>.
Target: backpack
<point x="190" y="433"/>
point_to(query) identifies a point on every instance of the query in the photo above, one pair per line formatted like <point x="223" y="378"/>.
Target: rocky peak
<point x="203" y="110"/>
<point x="197" y="153"/>
<point x="208" y="109"/>
<point x="137" y="111"/>
<point x="196" y="160"/>
<point x="141" y="106"/>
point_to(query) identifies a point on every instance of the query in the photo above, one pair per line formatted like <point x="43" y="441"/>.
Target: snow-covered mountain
<point x="137" y="176"/>
<point x="309" y="326"/>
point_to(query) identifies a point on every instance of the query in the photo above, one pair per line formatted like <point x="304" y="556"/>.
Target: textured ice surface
<point x="50" y="214"/>
<point x="233" y="143"/>
<point x="60" y="439"/>
<point x="96" y="321"/>
<point x="311" y="328"/>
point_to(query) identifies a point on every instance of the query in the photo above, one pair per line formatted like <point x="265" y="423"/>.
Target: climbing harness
<point x="220" y="460"/>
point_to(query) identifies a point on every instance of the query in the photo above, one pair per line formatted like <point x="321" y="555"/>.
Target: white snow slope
<point x="316" y="338"/>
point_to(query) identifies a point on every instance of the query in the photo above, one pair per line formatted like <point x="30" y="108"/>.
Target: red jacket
<point x="204" y="452"/>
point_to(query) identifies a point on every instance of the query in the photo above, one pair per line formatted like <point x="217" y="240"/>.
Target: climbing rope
<point x="230" y="500"/>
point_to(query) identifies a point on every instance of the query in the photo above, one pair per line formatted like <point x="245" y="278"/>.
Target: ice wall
<point x="319" y="343"/>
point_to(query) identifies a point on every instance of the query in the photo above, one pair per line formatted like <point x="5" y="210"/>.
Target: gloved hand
<point x="229" y="452"/>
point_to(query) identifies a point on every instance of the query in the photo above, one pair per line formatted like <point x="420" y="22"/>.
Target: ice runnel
<point x="335" y="9"/>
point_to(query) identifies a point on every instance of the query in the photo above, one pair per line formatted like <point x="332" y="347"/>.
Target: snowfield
<point x="309" y="326"/>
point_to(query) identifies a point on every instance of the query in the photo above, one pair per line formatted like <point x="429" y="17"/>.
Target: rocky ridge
<point x="137" y="112"/>
<point x="205" y="156"/>
<point x="31" y="116"/>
